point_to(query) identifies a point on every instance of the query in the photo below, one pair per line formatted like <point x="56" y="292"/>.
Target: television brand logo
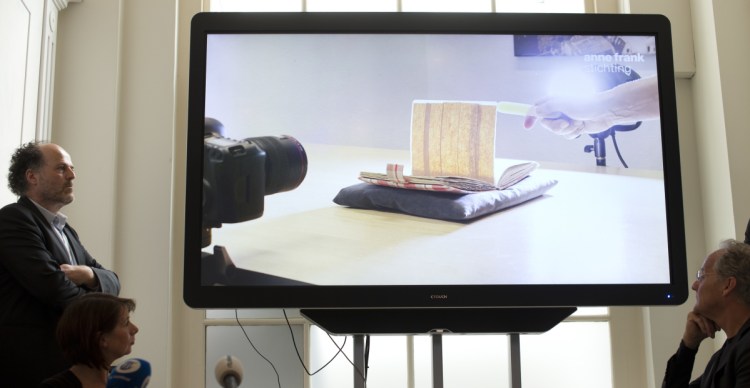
<point x="438" y="296"/>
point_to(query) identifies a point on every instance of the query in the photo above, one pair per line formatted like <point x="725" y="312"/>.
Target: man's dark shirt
<point x="728" y="368"/>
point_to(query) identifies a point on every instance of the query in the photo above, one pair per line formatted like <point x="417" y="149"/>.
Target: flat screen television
<point x="322" y="150"/>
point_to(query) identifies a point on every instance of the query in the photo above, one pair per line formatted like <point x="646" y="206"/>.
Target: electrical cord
<point x="617" y="149"/>
<point x="278" y="378"/>
<point x="340" y="351"/>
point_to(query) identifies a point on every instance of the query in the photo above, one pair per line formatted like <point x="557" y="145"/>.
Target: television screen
<point x="420" y="160"/>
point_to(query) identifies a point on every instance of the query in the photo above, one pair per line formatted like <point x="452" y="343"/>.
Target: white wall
<point x="663" y="325"/>
<point x="721" y="95"/>
<point x="85" y="117"/>
<point x="120" y="108"/>
<point x="115" y="113"/>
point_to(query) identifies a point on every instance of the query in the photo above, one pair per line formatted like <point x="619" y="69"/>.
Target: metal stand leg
<point x="437" y="360"/>
<point x="515" y="360"/>
<point x="359" y="361"/>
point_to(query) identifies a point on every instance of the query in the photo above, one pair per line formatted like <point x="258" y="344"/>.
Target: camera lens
<point x="286" y="162"/>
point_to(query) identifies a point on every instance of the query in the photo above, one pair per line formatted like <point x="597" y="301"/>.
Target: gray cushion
<point x="440" y="205"/>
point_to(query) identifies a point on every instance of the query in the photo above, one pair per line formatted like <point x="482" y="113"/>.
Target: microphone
<point x="132" y="373"/>
<point x="228" y="371"/>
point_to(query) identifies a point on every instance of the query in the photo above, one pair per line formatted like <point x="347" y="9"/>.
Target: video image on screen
<point x="350" y="101"/>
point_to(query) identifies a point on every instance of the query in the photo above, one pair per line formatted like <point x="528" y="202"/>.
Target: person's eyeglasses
<point x="700" y="275"/>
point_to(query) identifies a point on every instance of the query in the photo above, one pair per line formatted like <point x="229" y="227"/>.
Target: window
<point x="549" y="6"/>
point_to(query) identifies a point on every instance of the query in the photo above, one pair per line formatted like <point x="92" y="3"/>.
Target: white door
<point x="20" y="50"/>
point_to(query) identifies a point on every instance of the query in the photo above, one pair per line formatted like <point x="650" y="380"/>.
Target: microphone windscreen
<point x="131" y="373"/>
<point x="228" y="366"/>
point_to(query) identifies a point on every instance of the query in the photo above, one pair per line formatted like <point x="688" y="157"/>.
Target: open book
<point x="394" y="177"/>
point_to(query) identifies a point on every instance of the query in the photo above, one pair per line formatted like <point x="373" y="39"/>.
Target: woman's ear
<point x="102" y="340"/>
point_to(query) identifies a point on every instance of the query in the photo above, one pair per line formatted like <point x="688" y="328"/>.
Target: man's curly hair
<point x="28" y="156"/>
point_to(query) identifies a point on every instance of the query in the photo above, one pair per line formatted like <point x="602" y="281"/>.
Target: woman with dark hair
<point x="94" y="331"/>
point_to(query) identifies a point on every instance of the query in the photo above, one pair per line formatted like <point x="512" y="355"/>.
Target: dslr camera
<point x="238" y="174"/>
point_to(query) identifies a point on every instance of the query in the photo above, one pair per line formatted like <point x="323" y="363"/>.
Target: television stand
<point x="436" y="322"/>
<point x="437" y="360"/>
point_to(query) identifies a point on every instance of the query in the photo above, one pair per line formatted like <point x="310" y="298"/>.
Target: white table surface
<point x="598" y="225"/>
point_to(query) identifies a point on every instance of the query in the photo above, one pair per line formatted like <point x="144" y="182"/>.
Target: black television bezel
<point x="448" y="296"/>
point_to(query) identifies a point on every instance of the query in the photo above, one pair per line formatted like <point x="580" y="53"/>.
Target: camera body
<point x="238" y="174"/>
<point x="233" y="181"/>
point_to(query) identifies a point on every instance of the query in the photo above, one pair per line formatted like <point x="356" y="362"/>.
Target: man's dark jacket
<point x="34" y="292"/>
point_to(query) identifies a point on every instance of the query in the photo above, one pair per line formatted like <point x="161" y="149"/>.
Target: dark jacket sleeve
<point x="679" y="369"/>
<point x="108" y="281"/>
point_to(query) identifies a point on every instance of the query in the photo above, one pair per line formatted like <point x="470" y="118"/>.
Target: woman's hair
<point x="85" y="321"/>
<point x="28" y="156"/>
